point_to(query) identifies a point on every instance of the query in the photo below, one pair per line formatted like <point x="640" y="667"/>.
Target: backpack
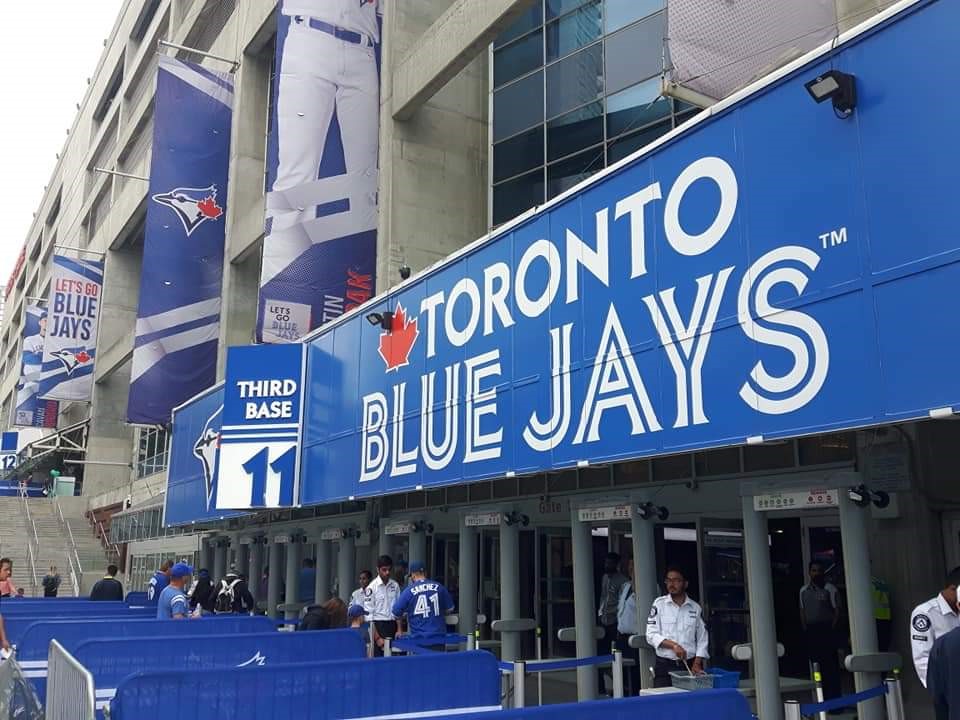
<point x="224" y="601"/>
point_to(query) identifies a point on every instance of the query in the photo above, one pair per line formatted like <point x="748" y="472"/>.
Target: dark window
<point x="458" y="494"/>
<point x="518" y="106"/>
<point x="631" y="473"/>
<point x="480" y="491"/>
<point x="636" y="107"/>
<point x="515" y="196"/>
<point x="725" y="461"/>
<point x="140" y="25"/>
<point x="565" y="174"/>
<point x="620" y="13"/>
<point x="672" y="467"/>
<point x="575" y="80"/>
<point x="562" y="481"/>
<point x="505" y="488"/>
<point x="574" y="131"/>
<point x="531" y="18"/>
<point x="772" y="456"/>
<point x="532" y="485"/>
<point x="518" y="58"/>
<point x="627" y="144"/>
<point x="823" y="449"/>
<point x="518" y="154"/>
<point x="635" y="53"/>
<point x="591" y="478"/>
<point x="573" y="31"/>
<point x="556" y="8"/>
<point x="683" y="117"/>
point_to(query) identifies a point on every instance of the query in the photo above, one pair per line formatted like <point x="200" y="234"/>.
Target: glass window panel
<point x="518" y="154"/>
<point x="518" y="58"/>
<point x="636" y="107"/>
<point x="514" y="196"/>
<point x="768" y="457"/>
<point x="822" y="449"/>
<point x="518" y="106"/>
<point x="631" y="473"/>
<point x="574" y="31"/>
<point x="530" y="19"/>
<point x="567" y="173"/>
<point x="620" y="13"/>
<point x="635" y="53"/>
<point x="575" y="80"/>
<point x="725" y="461"/>
<point x="556" y="8"/>
<point x="672" y="467"/>
<point x="627" y="144"/>
<point x="574" y="131"/>
<point x="683" y="117"/>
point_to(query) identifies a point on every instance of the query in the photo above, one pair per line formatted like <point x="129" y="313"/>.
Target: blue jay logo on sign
<point x="193" y="206"/>
<point x="70" y="359"/>
<point x="205" y="450"/>
<point x="257" y="660"/>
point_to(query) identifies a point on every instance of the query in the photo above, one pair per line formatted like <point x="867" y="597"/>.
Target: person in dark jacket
<point x="204" y="593"/>
<point x="942" y="672"/>
<point x="109" y="588"/>
<point x="236" y="592"/>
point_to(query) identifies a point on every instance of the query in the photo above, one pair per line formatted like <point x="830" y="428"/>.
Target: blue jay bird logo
<point x="205" y="450"/>
<point x="194" y="206"/>
<point x="70" y="359"/>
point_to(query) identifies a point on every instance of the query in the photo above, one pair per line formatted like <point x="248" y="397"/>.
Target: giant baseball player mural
<point x="319" y="249"/>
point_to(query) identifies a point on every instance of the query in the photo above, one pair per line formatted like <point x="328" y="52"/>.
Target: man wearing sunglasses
<point x="675" y="628"/>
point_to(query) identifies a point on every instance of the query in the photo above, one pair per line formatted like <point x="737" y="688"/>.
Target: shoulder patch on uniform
<point x="921" y="623"/>
<point x="922" y="638"/>
<point x="653" y="611"/>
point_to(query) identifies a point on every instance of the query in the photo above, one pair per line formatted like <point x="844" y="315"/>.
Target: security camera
<point x="404" y="272"/>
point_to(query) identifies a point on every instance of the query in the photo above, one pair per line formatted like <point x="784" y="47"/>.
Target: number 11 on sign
<point x="284" y="467"/>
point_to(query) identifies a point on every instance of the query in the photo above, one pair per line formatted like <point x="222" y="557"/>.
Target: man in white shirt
<point x="363" y="596"/>
<point x="932" y="619"/>
<point x="628" y="623"/>
<point x="384" y="592"/>
<point x="676" y="629"/>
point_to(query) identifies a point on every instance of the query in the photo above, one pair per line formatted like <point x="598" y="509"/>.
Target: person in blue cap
<point x="173" y="603"/>
<point x="425" y="603"/>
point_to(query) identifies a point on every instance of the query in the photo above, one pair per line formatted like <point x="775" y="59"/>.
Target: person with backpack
<point x="51" y="582"/>
<point x="204" y="594"/>
<point x="628" y="623"/>
<point x="233" y="595"/>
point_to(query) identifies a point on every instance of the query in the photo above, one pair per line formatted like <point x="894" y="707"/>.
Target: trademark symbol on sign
<point x="834" y="238"/>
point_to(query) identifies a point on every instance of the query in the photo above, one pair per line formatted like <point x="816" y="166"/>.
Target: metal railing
<point x="70" y="690"/>
<point x="109" y="545"/>
<point x="75" y="572"/>
<point x="31" y="553"/>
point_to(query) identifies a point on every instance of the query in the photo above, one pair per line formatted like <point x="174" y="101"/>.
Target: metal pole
<point x="894" y="698"/>
<point x="467" y="600"/>
<point x="292" y="594"/>
<point x="818" y="689"/>
<point x="105" y="171"/>
<point x="519" y="684"/>
<point x="645" y="588"/>
<point x="256" y="569"/>
<point x="346" y="567"/>
<point x="863" y="628"/>
<point x="763" y="630"/>
<point x="509" y="587"/>
<point x="165" y="43"/>
<point x="617" y="674"/>
<point x="324" y="566"/>
<point x="273" y="582"/>
<point x="417" y="542"/>
<point x="791" y="710"/>
<point x="584" y="610"/>
<point x="539" y="674"/>
<point x="387" y="650"/>
<point x="471" y="643"/>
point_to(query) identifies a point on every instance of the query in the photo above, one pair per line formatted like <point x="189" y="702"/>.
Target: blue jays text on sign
<point x="692" y="298"/>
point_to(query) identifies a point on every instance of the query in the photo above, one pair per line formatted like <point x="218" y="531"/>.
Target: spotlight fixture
<point x="838" y="87"/>
<point x="384" y="319"/>
<point x="861" y="496"/>
<point x="649" y="511"/>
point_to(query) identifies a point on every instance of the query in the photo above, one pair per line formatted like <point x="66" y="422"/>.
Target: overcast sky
<point x="48" y="51"/>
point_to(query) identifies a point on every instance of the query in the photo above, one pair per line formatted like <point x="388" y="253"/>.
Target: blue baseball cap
<point x="181" y="570"/>
<point x="355" y="611"/>
<point x="417" y="567"/>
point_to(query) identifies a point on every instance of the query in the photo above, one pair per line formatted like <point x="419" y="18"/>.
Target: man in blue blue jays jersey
<point x="159" y="581"/>
<point x="425" y="603"/>
<point x="173" y="603"/>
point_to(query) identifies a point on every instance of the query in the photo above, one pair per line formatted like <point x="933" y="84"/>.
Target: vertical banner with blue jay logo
<point x="178" y="319"/>
<point x="320" y="243"/>
<point x="30" y="410"/>
<point x="69" y="348"/>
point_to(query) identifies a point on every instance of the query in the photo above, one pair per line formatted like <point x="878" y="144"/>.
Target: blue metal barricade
<point x="713" y="704"/>
<point x="420" y="686"/>
<point x="15" y="625"/>
<point x="53" y="606"/>
<point x="137" y="598"/>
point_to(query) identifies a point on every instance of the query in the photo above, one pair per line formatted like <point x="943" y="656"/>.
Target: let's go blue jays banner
<point x="771" y="271"/>
<point x="319" y="250"/>
<point x="191" y="475"/>
<point x="178" y="319"/>
<point x="30" y="410"/>
<point x="259" y="459"/>
<point x="73" y="312"/>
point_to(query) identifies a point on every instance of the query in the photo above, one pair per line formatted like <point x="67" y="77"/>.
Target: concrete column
<point x="323" y="571"/>
<point x="418" y="547"/>
<point x="584" y="607"/>
<point x="645" y="586"/>
<point x="467" y="600"/>
<point x="206" y="555"/>
<point x="256" y="569"/>
<point x="763" y="629"/>
<point x="294" y="555"/>
<point x="273" y="583"/>
<point x="220" y="559"/>
<point x="384" y="546"/>
<point x="346" y="567"/>
<point x="510" y="587"/>
<point x="863" y="629"/>
<point x="243" y="558"/>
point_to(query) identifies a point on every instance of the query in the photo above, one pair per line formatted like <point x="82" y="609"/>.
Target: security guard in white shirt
<point x="932" y="619"/>
<point x="628" y="623"/>
<point x="677" y="631"/>
<point x="384" y="592"/>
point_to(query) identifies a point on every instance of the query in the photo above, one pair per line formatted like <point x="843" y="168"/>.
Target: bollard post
<point x="387" y="651"/>
<point x="894" y="699"/>
<point x="539" y="675"/>
<point x="519" y="684"/>
<point x="617" y="673"/>
<point x="791" y="710"/>
<point x="471" y="643"/>
<point x="818" y="689"/>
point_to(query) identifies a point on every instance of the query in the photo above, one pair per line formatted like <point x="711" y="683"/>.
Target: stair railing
<point x="76" y="571"/>
<point x="108" y="544"/>
<point x="31" y="544"/>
